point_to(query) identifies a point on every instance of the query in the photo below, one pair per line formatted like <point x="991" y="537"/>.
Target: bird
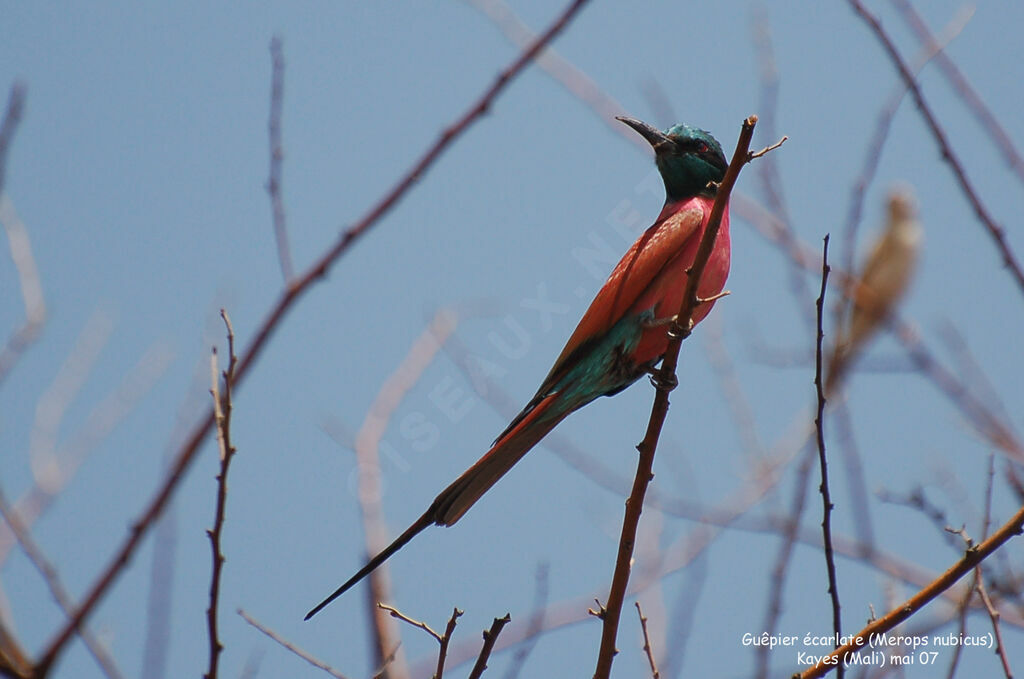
<point x="881" y="284"/>
<point x="624" y="332"/>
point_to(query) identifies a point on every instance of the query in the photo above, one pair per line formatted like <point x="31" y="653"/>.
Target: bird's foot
<point x="675" y="330"/>
<point x="658" y="322"/>
<point x="662" y="382"/>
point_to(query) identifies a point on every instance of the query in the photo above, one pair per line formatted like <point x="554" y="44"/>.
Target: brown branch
<point x="10" y="651"/>
<point x="395" y="613"/>
<point x="819" y="425"/>
<point x="565" y="73"/>
<point x="28" y="281"/>
<point x="873" y="154"/>
<point x="780" y="569"/>
<point x="856" y="482"/>
<point x="767" y="173"/>
<point x="973" y="557"/>
<point x="21" y="250"/>
<point x="222" y="406"/>
<point x="647" y="642"/>
<point x="367" y="448"/>
<point x="490" y="637"/>
<point x="993" y="613"/>
<point x="611" y="613"/>
<point x="535" y="625"/>
<point x="978" y="414"/>
<point x="156" y="646"/>
<point x="962" y="85"/>
<point x="56" y="468"/>
<point x="986" y="423"/>
<point x="995" y="231"/>
<point x="284" y="253"/>
<point x="12" y="117"/>
<point x="442" y="639"/>
<point x="295" y="290"/>
<point x="290" y="646"/>
<point x="442" y="653"/>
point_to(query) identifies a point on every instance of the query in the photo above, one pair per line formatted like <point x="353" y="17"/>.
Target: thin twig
<point x="28" y="281"/>
<point x="819" y="423"/>
<point x="367" y="449"/>
<point x="442" y="639"/>
<point x="856" y="483"/>
<point x="222" y="406"/>
<point x="770" y="179"/>
<point x="995" y="231"/>
<point x="163" y="558"/>
<point x="60" y="594"/>
<point x="565" y="73"/>
<point x="21" y="250"/>
<point x="993" y="613"/>
<point x="978" y="414"/>
<point x="973" y="557"/>
<point x="985" y="422"/>
<point x="874" y="152"/>
<point x="647" y="642"/>
<point x="442" y="653"/>
<point x="271" y="322"/>
<point x="536" y="624"/>
<point x="284" y="253"/>
<point x="291" y="647"/>
<point x="780" y="569"/>
<point x="12" y="117"/>
<point x="568" y="612"/>
<point x="395" y="613"/>
<point x="490" y="637"/>
<point x="962" y="85"/>
<point x="54" y="467"/>
<point x="611" y="613"/>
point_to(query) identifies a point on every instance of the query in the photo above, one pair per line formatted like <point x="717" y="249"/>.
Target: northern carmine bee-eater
<point x="624" y="332"/>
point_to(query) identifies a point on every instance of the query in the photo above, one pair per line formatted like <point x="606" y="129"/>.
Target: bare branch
<point x="973" y="557"/>
<point x="535" y="625"/>
<point x="647" y="642"/>
<point x="29" y="282"/>
<point x="367" y="448"/>
<point x="395" y="613"/>
<point x="873" y="153"/>
<point x="272" y="321"/>
<point x="60" y="594"/>
<point x="12" y="117"/>
<point x="442" y="653"/>
<point x="222" y="406"/>
<point x="995" y="231"/>
<point x="962" y="85"/>
<point x="290" y="646"/>
<point x="819" y="424"/>
<point x="490" y="637"/>
<point x="284" y="253"/>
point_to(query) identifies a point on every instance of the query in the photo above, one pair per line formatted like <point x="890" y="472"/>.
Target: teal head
<point x="690" y="160"/>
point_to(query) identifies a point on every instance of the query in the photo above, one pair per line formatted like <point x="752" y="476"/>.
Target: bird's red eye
<point x="702" y="148"/>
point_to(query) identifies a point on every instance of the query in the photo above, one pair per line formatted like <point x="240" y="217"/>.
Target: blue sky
<point x="139" y="172"/>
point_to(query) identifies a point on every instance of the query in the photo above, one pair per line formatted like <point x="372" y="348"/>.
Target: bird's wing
<point x="634" y="273"/>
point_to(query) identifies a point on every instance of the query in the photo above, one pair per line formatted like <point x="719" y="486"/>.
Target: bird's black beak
<point x="655" y="137"/>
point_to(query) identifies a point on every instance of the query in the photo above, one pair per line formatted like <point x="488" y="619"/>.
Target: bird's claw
<point x="675" y="330"/>
<point x="658" y="322"/>
<point x="663" y="382"/>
